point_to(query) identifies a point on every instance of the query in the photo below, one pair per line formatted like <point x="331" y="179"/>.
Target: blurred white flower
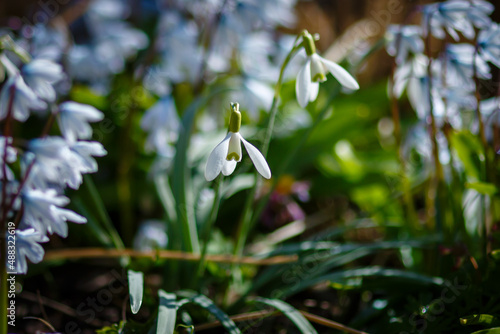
<point x="55" y="162"/>
<point x="152" y="235"/>
<point x="256" y="95"/>
<point x="43" y="212"/>
<point x="460" y="65"/>
<point x="410" y="41"/>
<point x="24" y="99"/>
<point x="74" y="120"/>
<point x="162" y="123"/>
<point x="27" y="246"/>
<point x="488" y="43"/>
<point x="40" y="75"/>
<point x="456" y="16"/>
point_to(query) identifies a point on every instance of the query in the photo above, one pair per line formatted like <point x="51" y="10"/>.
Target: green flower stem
<point x="101" y="212"/>
<point x="295" y="149"/>
<point x="489" y="172"/>
<point x="205" y="233"/>
<point x="245" y="222"/>
<point x="409" y="206"/>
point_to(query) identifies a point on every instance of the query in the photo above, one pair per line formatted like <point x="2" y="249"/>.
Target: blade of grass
<point x="136" y="289"/>
<point x="290" y="312"/>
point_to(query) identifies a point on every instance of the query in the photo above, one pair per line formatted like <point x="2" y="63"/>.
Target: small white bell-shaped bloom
<point x="227" y="153"/>
<point x="314" y="71"/>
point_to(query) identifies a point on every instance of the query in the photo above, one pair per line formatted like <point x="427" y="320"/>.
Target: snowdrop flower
<point x="314" y="71"/>
<point x="162" y="123"/>
<point x="488" y="43"/>
<point x="27" y="246"/>
<point x="410" y="40"/>
<point x="24" y="99"/>
<point x="228" y="152"/>
<point x="151" y="235"/>
<point x="40" y="75"/>
<point x="43" y="212"/>
<point x="74" y="120"/>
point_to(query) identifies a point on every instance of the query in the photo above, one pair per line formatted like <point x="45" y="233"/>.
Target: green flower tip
<point x="235" y="119"/>
<point x="308" y="42"/>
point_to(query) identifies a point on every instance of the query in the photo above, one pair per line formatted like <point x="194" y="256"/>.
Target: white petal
<point x="340" y="74"/>
<point x="228" y="167"/>
<point x="313" y="94"/>
<point x="258" y="159"/>
<point x="303" y="84"/>
<point x="217" y="158"/>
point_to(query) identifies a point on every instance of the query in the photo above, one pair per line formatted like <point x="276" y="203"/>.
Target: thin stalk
<point x="434" y="192"/>
<point x="245" y="222"/>
<point x="208" y="227"/>
<point x="405" y="182"/>
<point x="486" y="151"/>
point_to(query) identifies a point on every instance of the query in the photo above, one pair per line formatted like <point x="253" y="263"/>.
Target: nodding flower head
<point x="227" y="153"/>
<point x="315" y="70"/>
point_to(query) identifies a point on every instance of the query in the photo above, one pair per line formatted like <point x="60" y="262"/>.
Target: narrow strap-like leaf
<point x="209" y="305"/>
<point x="167" y="312"/>
<point x="290" y="312"/>
<point x="136" y="289"/>
<point x="495" y="330"/>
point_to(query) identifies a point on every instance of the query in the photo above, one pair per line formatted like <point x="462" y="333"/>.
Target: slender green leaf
<point x="101" y="212"/>
<point x="209" y="305"/>
<point x="482" y="187"/>
<point x="136" y="289"/>
<point x="374" y="271"/>
<point x="480" y="319"/>
<point x="167" y="313"/>
<point x="290" y="312"/>
<point x="495" y="330"/>
<point x="166" y="196"/>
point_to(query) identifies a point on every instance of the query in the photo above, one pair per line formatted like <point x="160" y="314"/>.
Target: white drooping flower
<point x="57" y="162"/>
<point x="227" y="153"/>
<point x="40" y="75"/>
<point x="314" y="71"/>
<point x="27" y="246"/>
<point x="162" y="123"/>
<point x="151" y="235"/>
<point x="24" y="99"/>
<point x="403" y="41"/>
<point x="488" y="43"/>
<point x="455" y="16"/>
<point x="43" y="212"/>
<point x="74" y="119"/>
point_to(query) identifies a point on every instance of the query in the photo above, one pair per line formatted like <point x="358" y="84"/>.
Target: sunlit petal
<point x="341" y="74"/>
<point x="303" y="84"/>
<point x="258" y="159"/>
<point x="217" y="158"/>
